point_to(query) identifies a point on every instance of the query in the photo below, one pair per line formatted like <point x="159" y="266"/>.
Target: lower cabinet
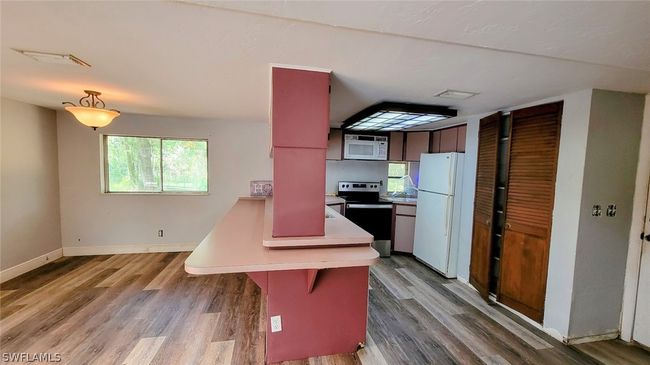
<point x="403" y="227"/>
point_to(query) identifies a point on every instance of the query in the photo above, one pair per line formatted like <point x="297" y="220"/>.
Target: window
<point x="155" y="165"/>
<point x="396" y="173"/>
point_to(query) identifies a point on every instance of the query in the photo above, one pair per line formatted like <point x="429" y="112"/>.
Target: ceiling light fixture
<point x="91" y="110"/>
<point x="59" y="59"/>
<point x="394" y="116"/>
<point x="455" y="94"/>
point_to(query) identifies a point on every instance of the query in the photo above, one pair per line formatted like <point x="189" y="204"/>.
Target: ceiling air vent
<point x="59" y="59"/>
<point x="455" y="94"/>
<point x="392" y="116"/>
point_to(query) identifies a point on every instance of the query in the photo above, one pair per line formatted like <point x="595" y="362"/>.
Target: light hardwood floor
<point x="144" y="309"/>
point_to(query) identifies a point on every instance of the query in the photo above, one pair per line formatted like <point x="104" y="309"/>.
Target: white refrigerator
<point x="437" y="222"/>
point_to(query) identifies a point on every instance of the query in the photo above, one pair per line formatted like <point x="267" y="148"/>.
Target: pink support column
<point x="300" y="123"/>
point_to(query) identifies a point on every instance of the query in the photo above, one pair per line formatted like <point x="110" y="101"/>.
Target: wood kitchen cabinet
<point x="396" y="146"/>
<point x="403" y="227"/>
<point x="434" y="147"/>
<point x="417" y="143"/>
<point x="440" y="141"/>
<point x="448" y="140"/>
<point x="462" y="137"/>
<point x="335" y="145"/>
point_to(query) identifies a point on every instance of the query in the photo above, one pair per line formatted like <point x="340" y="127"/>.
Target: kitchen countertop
<point x="338" y="231"/>
<point x="235" y="245"/>
<point x="399" y="200"/>
<point x="332" y="199"/>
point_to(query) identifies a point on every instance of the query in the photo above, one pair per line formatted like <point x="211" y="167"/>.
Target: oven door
<point x="375" y="219"/>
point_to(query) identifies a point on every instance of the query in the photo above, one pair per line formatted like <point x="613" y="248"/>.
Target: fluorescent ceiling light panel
<point x="455" y="94"/>
<point x="394" y="116"/>
<point x="58" y="59"/>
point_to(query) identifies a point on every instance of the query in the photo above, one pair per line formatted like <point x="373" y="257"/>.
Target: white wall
<point x="351" y="170"/>
<point x="609" y="176"/>
<point x="92" y="221"/>
<point x="29" y="183"/>
<point x="566" y="210"/>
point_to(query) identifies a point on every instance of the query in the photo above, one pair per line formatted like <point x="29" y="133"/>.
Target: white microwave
<point x="365" y="147"/>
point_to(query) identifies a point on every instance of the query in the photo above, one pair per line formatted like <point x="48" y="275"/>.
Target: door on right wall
<point x="534" y="143"/>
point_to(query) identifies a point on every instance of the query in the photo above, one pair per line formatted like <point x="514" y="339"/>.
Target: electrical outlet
<point x="276" y="324"/>
<point x="611" y="210"/>
<point x="596" y="211"/>
<point x="160" y="233"/>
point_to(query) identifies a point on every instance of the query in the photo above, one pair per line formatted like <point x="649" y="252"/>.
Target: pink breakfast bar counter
<point x="320" y="293"/>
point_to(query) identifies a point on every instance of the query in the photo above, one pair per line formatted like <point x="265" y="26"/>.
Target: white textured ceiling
<point x="198" y="60"/>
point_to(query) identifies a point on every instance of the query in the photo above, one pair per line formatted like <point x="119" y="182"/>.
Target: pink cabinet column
<point x="300" y="123"/>
<point x="298" y="192"/>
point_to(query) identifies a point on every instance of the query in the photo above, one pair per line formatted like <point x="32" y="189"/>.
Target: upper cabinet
<point x="335" y="145"/>
<point x="462" y="137"/>
<point x="396" y="146"/>
<point x="408" y="146"/>
<point x="300" y="108"/>
<point x="448" y="140"/>
<point x="417" y="143"/>
<point x="435" y="142"/>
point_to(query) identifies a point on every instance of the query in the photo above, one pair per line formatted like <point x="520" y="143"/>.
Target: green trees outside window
<point x="155" y="165"/>
<point x="396" y="173"/>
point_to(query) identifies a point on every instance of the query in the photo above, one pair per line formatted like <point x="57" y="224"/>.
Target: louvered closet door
<point x="529" y="208"/>
<point x="486" y="174"/>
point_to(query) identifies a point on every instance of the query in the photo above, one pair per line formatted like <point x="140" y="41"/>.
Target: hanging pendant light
<point x="91" y="110"/>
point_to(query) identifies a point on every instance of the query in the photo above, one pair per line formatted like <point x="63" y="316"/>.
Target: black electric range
<point x="365" y="208"/>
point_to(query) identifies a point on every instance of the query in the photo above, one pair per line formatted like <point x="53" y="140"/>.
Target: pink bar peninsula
<point x="319" y="294"/>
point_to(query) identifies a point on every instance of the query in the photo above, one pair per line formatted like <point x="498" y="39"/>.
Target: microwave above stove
<point x="365" y="147"/>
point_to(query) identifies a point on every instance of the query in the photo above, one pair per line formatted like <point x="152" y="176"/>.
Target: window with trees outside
<point x="396" y="173"/>
<point x="135" y="164"/>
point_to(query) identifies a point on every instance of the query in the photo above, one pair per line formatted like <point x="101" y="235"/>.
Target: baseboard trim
<point x="126" y="249"/>
<point x="602" y="337"/>
<point x="29" y="265"/>
<point x="549" y="331"/>
<point x="557" y="335"/>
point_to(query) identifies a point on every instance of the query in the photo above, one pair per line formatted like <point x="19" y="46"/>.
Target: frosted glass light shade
<point x="93" y="117"/>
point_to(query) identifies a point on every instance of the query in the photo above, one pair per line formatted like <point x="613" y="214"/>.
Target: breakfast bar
<point x="316" y="287"/>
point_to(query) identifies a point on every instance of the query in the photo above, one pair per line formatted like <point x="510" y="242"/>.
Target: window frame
<point x="104" y="175"/>
<point x="407" y="169"/>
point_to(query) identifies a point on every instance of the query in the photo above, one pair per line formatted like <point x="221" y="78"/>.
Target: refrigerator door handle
<point x="447" y="214"/>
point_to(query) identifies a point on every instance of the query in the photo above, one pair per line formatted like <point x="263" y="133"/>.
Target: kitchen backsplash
<point x="351" y="170"/>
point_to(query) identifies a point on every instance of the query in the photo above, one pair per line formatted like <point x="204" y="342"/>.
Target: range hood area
<point x="393" y="116"/>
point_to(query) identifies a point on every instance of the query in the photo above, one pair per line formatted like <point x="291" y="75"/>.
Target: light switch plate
<point x="276" y="324"/>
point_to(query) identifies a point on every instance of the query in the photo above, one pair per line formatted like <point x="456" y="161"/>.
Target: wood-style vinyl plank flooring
<point x="145" y="309"/>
